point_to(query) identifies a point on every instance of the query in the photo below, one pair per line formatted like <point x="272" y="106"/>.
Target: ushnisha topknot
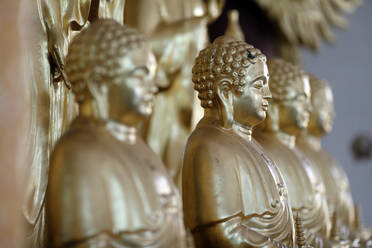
<point x="224" y="57"/>
<point x="94" y="55"/>
<point x="284" y="77"/>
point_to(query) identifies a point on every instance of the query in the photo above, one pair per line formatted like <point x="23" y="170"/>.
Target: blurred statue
<point x="233" y="194"/>
<point x="288" y="116"/>
<point x="336" y="183"/>
<point x="178" y="31"/>
<point x="233" y="27"/>
<point x="52" y="106"/>
<point x="306" y="22"/>
<point x="106" y="187"/>
<point x="339" y="199"/>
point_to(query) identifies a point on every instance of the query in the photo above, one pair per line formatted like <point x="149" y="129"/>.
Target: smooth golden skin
<point x="336" y="183"/>
<point x="106" y="187"/>
<point x="52" y="106"/>
<point x="178" y="31"/>
<point x="288" y="116"/>
<point x="233" y="194"/>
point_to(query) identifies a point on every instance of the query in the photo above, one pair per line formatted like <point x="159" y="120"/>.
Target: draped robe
<point x="225" y="175"/>
<point x="102" y="188"/>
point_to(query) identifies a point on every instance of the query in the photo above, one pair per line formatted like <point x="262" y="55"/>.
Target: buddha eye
<point x="258" y="84"/>
<point x="140" y="72"/>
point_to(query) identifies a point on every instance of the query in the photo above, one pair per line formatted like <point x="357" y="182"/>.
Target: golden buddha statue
<point x="288" y="116"/>
<point x="106" y="187"/>
<point x="233" y="194"/>
<point x="52" y="106"/>
<point x="336" y="183"/>
<point x="177" y="30"/>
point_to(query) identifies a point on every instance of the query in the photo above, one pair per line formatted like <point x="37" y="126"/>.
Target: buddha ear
<point x="223" y="88"/>
<point x="99" y="93"/>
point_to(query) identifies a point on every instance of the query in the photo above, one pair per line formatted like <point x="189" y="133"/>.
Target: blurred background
<point x="347" y="66"/>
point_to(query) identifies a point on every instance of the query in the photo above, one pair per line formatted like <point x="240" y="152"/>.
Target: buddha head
<point x="322" y="114"/>
<point x="290" y="107"/>
<point x="231" y="78"/>
<point x="111" y="69"/>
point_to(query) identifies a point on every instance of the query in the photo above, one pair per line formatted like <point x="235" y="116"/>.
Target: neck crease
<point x="286" y="139"/>
<point x="121" y="132"/>
<point x="313" y="141"/>
<point x="243" y="131"/>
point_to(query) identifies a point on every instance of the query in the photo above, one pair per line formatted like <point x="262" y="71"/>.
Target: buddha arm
<point x="231" y="233"/>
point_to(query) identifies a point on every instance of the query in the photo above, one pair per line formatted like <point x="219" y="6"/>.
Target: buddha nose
<point x="267" y="93"/>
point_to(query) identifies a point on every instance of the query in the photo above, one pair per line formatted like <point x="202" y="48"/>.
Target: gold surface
<point x="14" y="156"/>
<point x="233" y="194"/>
<point x="233" y="26"/>
<point x="177" y="30"/>
<point x="106" y="187"/>
<point x="339" y="199"/>
<point x="52" y="106"/>
<point x="336" y="183"/>
<point x="288" y="115"/>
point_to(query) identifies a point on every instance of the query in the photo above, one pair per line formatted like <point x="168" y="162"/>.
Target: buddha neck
<point x="118" y="130"/>
<point x="121" y="132"/>
<point x="243" y="131"/>
<point x="287" y="139"/>
<point x="213" y="117"/>
<point x="313" y="141"/>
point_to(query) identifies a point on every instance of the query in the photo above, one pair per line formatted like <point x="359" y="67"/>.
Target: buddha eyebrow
<point x="259" y="78"/>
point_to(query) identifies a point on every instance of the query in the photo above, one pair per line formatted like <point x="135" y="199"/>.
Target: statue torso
<point x="250" y="182"/>
<point x="305" y="188"/>
<point x="101" y="185"/>
<point x="336" y="183"/>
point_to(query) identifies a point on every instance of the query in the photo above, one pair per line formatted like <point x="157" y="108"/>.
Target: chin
<point x="302" y="125"/>
<point x="327" y="129"/>
<point x="145" y="110"/>
<point x="261" y="115"/>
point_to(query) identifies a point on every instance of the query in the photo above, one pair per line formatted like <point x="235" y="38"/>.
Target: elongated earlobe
<point x="225" y="101"/>
<point x="100" y="102"/>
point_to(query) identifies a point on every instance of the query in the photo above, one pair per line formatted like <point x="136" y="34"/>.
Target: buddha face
<point x="131" y="98"/>
<point x="322" y="114"/>
<point x="251" y="105"/>
<point x="294" y="111"/>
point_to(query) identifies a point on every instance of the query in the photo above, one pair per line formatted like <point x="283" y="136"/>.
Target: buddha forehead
<point x="140" y="56"/>
<point x="287" y="80"/>
<point x="257" y="70"/>
<point x="320" y="90"/>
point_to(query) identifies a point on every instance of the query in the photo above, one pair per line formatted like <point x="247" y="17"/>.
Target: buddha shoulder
<point x="79" y="149"/>
<point x="211" y="144"/>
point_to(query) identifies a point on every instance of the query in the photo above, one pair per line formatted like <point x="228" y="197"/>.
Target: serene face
<point x="322" y="114"/>
<point x="250" y="107"/>
<point x="294" y="112"/>
<point x="131" y="97"/>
